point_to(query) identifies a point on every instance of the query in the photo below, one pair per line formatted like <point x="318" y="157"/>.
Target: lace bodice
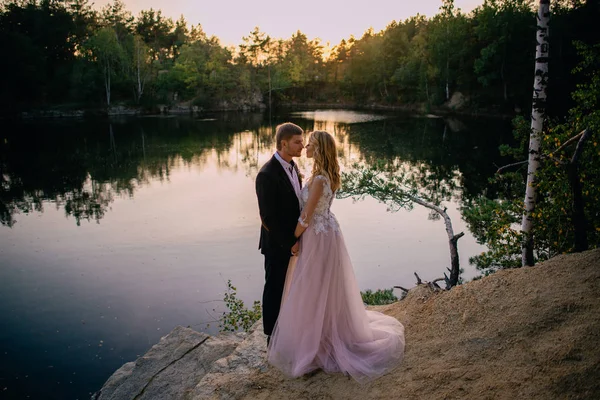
<point x="323" y="220"/>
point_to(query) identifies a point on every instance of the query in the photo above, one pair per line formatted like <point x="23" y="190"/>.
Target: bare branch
<point x="213" y="316"/>
<point x="549" y="155"/>
<point x="501" y="169"/>
<point x="571" y="140"/>
<point x="419" y="281"/>
<point x="458" y="236"/>
<point x="448" y="284"/>
<point x="584" y="136"/>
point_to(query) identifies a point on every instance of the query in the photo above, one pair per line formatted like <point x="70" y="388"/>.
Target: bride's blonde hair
<point x="325" y="158"/>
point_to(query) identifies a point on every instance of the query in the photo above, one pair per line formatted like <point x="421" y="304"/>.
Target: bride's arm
<point x="314" y="194"/>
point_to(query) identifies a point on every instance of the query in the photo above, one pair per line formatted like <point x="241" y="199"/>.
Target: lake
<point x="115" y="231"/>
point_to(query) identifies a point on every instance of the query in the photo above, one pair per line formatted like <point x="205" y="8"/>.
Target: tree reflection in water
<point x="82" y="165"/>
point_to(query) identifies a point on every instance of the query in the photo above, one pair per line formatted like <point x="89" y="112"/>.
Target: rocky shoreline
<point x="187" y="364"/>
<point x="125" y="111"/>
<point x="456" y="106"/>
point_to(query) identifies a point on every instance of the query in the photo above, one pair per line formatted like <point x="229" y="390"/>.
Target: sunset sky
<point x="329" y="20"/>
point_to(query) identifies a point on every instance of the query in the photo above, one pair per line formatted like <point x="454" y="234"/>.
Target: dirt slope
<point x="530" y="333"/>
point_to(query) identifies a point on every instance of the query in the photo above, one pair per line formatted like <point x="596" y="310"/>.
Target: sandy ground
<point x="529" y="333"/>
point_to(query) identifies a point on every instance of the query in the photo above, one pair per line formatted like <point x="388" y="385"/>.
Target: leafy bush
<point x="379" y="297"/>
<point x="238" y="317"/>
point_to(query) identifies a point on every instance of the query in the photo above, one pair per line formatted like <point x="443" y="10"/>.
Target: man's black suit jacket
<point x="278" y="206"/>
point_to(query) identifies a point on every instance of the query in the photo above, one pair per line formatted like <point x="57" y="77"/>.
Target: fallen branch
<point x="433" y="284"/>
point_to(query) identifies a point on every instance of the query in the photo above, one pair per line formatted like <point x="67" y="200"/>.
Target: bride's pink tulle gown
<point x="323" y="322"/>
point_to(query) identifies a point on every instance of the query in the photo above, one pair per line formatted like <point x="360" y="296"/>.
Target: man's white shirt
<point x="291" y="173"/>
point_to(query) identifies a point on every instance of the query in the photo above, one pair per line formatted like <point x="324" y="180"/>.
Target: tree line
<point x="65" y="53"/>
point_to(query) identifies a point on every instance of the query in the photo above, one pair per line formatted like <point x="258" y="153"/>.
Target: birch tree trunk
<point x="537" y="123"/>
<point x="140" y="67"/>
<point x="140" y="82"/>
<point x="107" y="81"/>
<point x="141" y="72"/>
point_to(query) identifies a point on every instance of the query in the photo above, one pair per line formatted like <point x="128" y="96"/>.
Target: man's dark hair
<point x="285" y="132"/>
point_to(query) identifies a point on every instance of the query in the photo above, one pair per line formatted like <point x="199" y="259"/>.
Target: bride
<point x="323" y="322"/>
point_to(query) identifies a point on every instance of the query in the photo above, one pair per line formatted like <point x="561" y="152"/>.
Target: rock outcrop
<point x="171" y="368"/>
<point x="529" y="333"/>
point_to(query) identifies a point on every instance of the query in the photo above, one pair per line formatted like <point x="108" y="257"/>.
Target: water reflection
<point x="82" y="167"/>
<point x="176" y="216"/>
<point x="326" y="119"/>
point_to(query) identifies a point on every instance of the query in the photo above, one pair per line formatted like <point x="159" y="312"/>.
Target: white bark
<point x="537" y="124"/>
<point x="140" y="83"/>
<point x="107" y="72"/>
<point x="141" y="78"/>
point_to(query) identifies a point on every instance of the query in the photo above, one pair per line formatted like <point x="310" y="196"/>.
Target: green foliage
<point x="59" y="52"/>
<point x="158" y="33"/>
<point x="38" y="51"/>
<point x="447" y="33"/>
<point x="505" y="31"/>
<point x="495" y="223"/>
<point x="379" y="297"/>
<point x="398" y="184"/>
<point x="238" y="317"/>
<point x="555" y="212"/>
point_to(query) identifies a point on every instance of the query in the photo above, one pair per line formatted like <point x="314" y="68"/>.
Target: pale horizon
<point x="329" y="21"/>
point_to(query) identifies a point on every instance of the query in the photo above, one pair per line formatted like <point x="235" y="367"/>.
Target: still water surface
<point x="115" y="231"/>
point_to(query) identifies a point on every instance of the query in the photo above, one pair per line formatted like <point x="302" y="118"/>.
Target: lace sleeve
<point x="322" y="179"/>
<point x="319" y="216"/>
<point x="315" y="191"/>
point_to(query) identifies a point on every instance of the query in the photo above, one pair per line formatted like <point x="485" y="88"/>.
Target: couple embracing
<point x="313" y="314"/>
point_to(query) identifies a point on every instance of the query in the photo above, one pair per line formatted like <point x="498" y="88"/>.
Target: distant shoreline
<point x="57" y="113"/>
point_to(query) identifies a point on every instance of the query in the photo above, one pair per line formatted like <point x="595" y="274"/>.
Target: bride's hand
<point x="296" y="248"/>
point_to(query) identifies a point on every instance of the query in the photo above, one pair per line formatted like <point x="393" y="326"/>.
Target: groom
<point x="278" y="187"/>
